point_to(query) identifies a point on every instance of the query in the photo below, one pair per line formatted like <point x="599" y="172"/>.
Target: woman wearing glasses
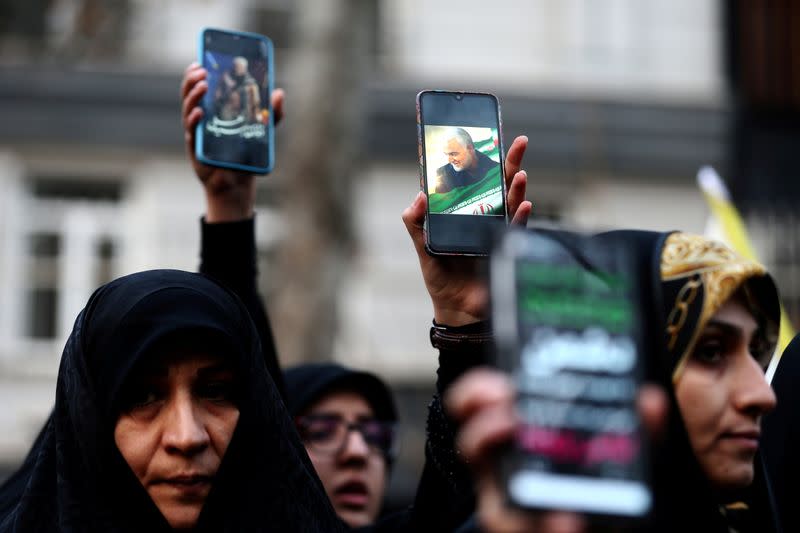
<point x="346" y="420"/>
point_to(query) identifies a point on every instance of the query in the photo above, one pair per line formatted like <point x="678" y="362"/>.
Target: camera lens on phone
<point x="459" y="97"/>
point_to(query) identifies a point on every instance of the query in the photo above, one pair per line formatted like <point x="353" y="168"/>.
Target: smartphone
<point x="237" y="129"/>
<point x="567" y="325"/>
<point x="461" y="170"/>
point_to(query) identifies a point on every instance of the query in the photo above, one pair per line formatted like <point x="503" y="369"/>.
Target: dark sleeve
<point x="780" y="438"/>
<point x="228" y="254"/>
<point x="445" y="496"/>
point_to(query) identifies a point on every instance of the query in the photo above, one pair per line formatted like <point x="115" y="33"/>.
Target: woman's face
<point x="177" y="420"/>
<point x="722" y="394"/>
<point x="354" y="474"/>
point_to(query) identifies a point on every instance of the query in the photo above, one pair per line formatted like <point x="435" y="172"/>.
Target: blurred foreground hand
<point x="482" y="400"/>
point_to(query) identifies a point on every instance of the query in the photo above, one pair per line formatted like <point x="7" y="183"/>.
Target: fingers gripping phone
<point x="461" y="170"/>
<point x="237" y="129"/>
<point x="567" y="326"/>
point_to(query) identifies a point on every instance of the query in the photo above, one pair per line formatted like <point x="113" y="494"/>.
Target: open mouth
<point x="353" y="495"/>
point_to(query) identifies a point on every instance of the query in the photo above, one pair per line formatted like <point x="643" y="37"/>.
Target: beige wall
<point x="625" y="48"/>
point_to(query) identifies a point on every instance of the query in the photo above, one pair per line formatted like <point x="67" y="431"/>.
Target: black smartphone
<point x="461" y="170"/>
<point x="567" y="323"/>
<point x="237" y="129"/>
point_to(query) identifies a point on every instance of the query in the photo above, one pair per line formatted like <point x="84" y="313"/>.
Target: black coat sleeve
<point x="445" y="496"/>
<point x="445" y="499"/>
<point x="228" y="254"/>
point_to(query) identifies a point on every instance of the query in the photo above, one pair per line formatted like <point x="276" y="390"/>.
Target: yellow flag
<point x="729" y="223"/>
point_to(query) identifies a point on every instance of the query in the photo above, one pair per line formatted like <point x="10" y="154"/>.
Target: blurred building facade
<point x="622" y="101"/>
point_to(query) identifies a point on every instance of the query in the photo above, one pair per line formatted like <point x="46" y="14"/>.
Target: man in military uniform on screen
<point x="465" y="165"/>
<point x="238" y="94"/>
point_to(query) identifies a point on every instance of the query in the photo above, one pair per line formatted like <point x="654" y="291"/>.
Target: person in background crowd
<point x="347" y="422"/>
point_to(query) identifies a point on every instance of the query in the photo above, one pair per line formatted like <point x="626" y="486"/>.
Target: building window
<point x="44" y="250"/>
<point x="104" y="253"/>
<point x="70" y="247"/>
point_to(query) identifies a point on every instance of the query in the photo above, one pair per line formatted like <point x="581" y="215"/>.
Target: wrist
<point x="230" y="206"/>
<point x="475" y="335"/>
<point x="452" y="317"/>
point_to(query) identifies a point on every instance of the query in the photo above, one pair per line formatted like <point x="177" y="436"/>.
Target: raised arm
<point x="458" y="288"/>
<point x="228" y="247"/>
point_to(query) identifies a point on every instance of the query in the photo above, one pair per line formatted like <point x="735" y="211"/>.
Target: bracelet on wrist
<point x="450" y="338"/>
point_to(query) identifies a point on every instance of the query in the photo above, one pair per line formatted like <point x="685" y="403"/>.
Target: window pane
<point x="42" y="304"/>
<point x="76" y="189"/>
<point x="44" y="245"/>
<point x="105" y="260"/>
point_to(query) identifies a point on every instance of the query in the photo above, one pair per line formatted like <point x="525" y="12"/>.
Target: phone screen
<point x="566" y="321"/>
<point x="462" y="168"/>
<point x="236" y="130"/>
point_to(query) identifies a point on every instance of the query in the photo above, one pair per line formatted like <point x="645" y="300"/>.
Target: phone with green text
<point x="566" y="318"/>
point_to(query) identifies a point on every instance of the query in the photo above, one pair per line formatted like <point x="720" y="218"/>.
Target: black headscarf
<point x="308" y="383"/>
<point x="75" y="480"/>
<point x="684" y="499"/>
<point x="781" y="437"/>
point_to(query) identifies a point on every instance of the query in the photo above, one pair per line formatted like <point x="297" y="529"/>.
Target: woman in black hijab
<point x="782" y="437"/>
<point x="165" y="418"/>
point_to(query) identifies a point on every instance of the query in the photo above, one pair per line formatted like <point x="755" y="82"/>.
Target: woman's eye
<point x="148" y="398"/>
<point x="142" y="398"/>
<point x="317" y="433"/>
<point x="709" y="352"/>
<point x="318" y="430"/>
<point x="760" y="350"/>
<point x="217" y="391"/>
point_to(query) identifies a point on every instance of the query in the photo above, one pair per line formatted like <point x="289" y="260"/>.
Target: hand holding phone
<point x="482" y="401"/>
<point x="457" y="285"/>
<point x="230" y="194"/>
<point x="237" y="127"/>
<point x="461" y="170"/>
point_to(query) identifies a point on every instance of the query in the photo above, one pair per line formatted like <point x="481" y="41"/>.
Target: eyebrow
<point x="361" y="417"/>
<point x="725" y="327"/>
<point x="152" y="370"/>
<point x="214" y="370"/>
<point x="730" y="329"/>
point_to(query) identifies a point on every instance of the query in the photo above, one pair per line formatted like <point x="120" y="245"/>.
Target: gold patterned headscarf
<point x="698" y="276"/>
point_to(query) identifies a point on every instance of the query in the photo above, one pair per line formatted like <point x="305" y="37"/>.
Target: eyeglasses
<point x="328" y="433"/>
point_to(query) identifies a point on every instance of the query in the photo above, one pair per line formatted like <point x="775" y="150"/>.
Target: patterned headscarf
<point x="698" y="276"/>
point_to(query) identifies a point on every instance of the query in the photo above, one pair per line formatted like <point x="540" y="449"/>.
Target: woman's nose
<point x="185" y="430"/>
<point x="754" y="395"/>
<point x="355" y="447"/>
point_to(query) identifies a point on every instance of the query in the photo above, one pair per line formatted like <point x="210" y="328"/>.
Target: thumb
<point x="414" y="219"/>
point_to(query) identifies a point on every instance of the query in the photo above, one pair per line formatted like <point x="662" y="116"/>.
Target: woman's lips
<point x="188" y="484"/>
<point x="747" y="438"/>
<point x="352" y="494"/>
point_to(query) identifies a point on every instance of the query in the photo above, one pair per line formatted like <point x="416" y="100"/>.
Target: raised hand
<point x="482" y="401"/>
<point x="458" y="291"/>
<point x="230" y="194"/>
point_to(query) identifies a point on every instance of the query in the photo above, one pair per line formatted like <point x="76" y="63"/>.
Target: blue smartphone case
<point x="198" y="147"/>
